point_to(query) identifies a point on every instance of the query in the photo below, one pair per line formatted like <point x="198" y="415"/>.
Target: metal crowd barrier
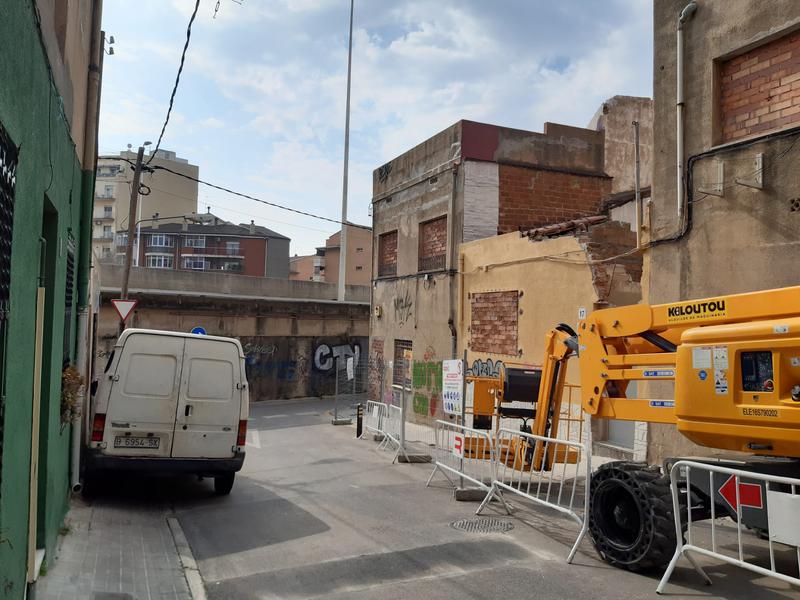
<point x="374" y="416"/>
<point x="393" y="430"/>
<point x="545" y="471"/>
<point x="464" y="453"/>
<point x="781" y="495"/>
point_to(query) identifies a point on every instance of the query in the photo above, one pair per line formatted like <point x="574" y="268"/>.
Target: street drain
<point x="483" y="525"/>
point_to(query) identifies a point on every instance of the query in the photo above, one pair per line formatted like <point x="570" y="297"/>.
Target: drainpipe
<point x="686" y="14"/>
<point x="452" y="249"/>
<point x="84" y="266"/>
<point x="637" y="185"/>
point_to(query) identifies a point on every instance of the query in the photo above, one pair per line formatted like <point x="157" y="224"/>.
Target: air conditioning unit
<point x="98" y="222"/>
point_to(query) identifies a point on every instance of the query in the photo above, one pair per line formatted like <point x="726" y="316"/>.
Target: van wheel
<point x="223" y="484"/>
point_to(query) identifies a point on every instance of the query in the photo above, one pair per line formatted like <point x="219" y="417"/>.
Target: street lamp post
<point x="343" y="234"/>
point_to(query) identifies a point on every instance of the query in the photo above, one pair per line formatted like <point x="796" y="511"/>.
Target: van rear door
<point x="210" y="400"/>
<point x="140" y="418"/>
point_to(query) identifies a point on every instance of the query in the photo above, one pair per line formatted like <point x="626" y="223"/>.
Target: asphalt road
<point x="316" y="513"/>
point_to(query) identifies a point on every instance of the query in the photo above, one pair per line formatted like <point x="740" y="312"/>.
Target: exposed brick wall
<point x="616" y="270"/>
<point x="494" y="322"/>
<point x="376" y="371"/>
<point x="760" y="90"/>
<point x="532" y="198"/>
<point x="387" y="254"/>
<point x="432" y="244"/>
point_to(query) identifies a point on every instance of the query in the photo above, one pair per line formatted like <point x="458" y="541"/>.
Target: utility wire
<point x="254" y="199"/>
<point x="177" y="81"/>
<point x="242" y="195"/>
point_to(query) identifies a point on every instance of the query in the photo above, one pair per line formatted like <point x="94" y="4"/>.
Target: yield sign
<point x="124" y="307"/>
<point x="749" y="493"/>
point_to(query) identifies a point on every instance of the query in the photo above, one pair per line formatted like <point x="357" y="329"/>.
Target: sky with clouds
<point x="260" y="107"/>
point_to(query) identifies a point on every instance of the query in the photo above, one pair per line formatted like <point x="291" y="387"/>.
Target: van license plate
<point x="126" y="441"/>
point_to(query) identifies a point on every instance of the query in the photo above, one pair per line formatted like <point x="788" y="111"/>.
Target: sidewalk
<point x="115" y="553"/>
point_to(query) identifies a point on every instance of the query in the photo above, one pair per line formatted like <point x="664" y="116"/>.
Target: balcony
<point x="432" y="263"/>
<point x="103" y="216"/>
<point x="103" y="237"/>
<point x="212" y="251"/>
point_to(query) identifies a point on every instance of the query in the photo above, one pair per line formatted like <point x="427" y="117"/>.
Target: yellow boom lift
<point x="734" y="362"/>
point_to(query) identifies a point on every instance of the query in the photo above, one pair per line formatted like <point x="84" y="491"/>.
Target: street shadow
<point x="250" y="517"/>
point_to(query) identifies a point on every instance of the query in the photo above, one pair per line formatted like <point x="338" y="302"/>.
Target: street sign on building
<point x="124" y="308"/>
<point x="198" y="331"/>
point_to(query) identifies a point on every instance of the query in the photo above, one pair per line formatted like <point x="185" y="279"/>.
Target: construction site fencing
<point x="463" y="454"/>
<point x="374" y="417"/>
<point x="546" y="471"/>
<point x="713" y="539"/>
<point x="350" y="386"/>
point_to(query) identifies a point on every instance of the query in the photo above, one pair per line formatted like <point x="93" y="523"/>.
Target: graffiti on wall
<point x="486" y="368"/>
<point x="427" y="380"/>
<point x="325" y="356"/>
<point x="403" y="308"/>
<point x="294" y="366"/>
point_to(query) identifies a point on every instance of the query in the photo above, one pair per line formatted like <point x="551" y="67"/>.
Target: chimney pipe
<point x="252" y="227"/>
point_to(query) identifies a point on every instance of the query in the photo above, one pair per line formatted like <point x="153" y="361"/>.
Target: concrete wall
<point x="747" y="239"/>
<point x="199" y="283"/>
<point x="290" y="347"/>
<point x="615" y="117"/>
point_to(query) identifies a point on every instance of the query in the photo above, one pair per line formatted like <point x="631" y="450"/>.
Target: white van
<point x="171" y="402"/>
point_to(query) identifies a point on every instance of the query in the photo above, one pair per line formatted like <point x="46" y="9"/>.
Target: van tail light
<point x="98" y="426"/>
<point x="241" y="437"/>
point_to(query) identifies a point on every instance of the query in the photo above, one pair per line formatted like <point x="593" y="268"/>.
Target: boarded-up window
<point x="494" y="322"/>
<point x="401" y="371"/>
<point x="387" y="254"/>
<point x="433" y="244"/>
<point x="759" y="91"/>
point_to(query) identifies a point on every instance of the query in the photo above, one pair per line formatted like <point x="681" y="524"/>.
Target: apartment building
<point x="170" y="196"/>
<point x="212" y="245"/>
<point x="324" y="264"/>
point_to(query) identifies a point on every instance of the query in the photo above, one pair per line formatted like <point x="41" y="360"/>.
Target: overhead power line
<point x="254" y="199"/>
<point x="177" y="81"/>
<point x="242" y="195"/>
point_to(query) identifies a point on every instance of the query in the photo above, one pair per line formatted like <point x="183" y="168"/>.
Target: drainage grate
<point x="483" y="525"/>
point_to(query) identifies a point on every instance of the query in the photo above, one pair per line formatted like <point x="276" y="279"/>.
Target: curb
<point x="190" y="570"/>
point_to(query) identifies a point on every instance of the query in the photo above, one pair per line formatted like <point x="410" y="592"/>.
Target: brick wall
<point x="760" y="90"/>
<point x="493" y="323"/>
<point x="387" y="254"/>
<point x="433" y="244"/>
<point x="533" y="198"/>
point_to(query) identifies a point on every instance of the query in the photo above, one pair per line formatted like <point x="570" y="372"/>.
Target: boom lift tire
<point x="631" y="520"/>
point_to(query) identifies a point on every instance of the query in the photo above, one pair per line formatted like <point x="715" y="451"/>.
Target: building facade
<point x="469" y="182"/>
<point x="740" y="222"/>
<point x="324" y="264"/>
<point x="48" y="126"/>
<point x="212" y="245"/>
<point x="169" y="196"/>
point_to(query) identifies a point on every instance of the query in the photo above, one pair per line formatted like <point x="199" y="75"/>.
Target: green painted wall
<point x="50" y="190"/>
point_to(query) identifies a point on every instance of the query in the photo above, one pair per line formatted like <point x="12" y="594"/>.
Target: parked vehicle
<point x="171" y="402"/>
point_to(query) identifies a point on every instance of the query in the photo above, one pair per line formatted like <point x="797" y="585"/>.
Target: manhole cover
<point x="484" y="525"/>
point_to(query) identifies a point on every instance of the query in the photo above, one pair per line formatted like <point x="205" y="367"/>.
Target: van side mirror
<point x="93" y="387"/>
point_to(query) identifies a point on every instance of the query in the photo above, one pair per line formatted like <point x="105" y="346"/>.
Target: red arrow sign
<point x="124" y="307"/>
<point x="749" y="493"/>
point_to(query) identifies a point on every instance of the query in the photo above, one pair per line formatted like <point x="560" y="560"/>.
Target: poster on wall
<point x="452" y="386"/>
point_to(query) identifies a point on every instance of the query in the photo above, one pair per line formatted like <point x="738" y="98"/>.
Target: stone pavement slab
<point x="113" y="552"/>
